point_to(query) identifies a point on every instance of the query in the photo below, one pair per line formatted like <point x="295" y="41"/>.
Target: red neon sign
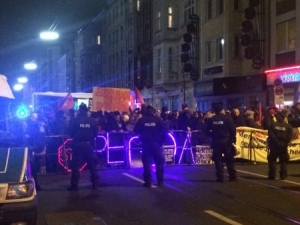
<point x="286" y="75"/>
<point x="65" y="156"/>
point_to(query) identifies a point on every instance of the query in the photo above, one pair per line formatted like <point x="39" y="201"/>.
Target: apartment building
<point x="242" y="45"/>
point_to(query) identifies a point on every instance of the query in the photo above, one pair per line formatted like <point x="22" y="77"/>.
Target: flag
<point x="139" y="96"/>
<point x="5" y="90"/>
<point x="66" y="103"/>
<point x="259" y="112"/>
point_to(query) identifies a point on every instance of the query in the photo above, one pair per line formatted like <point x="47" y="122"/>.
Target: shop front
<point x="283" y="86"/>
<point x="231" y="92"/>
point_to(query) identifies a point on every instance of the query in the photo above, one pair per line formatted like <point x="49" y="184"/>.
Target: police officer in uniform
<point x="152" y="132"/>
<point x="222" y="131"/>
<point x="83" y="130"/>
<point x="280" y="134"/>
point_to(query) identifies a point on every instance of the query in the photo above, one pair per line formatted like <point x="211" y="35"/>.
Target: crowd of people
<point x="35" y="130"/>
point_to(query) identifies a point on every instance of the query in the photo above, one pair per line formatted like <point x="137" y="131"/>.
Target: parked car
<point x="18" y="198"/>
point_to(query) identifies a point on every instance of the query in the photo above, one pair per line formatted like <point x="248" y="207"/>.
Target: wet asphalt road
<point x="190" y="197"/>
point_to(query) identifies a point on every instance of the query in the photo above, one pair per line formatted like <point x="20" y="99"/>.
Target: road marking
<point x="223" y="218"/>
<point x="136" y="179"/>
<point x="259" y="175"/>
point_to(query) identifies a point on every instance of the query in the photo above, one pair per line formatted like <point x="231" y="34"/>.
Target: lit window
<point x="219" y="48"/>
<point x="98" y="40"/>
<point x="138" y="5"/>
<point x="170" y="17"/>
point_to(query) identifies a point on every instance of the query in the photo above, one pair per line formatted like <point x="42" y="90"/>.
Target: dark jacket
<point x="151" y="129"/>
<point x="239" y="121"/>
<point x="280" y="134"/>
<point x="221" y="127"/>
<point x="83" y="129"/>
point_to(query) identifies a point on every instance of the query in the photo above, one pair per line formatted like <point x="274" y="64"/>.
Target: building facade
<point x="237" y="51"/>
<point x="282" y="71"/>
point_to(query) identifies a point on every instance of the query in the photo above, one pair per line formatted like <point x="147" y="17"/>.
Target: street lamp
<point x="49" y="35"/>
<point x="22" y="80"/>
<point x="30" y="66"/>
<point x="18" y="87"/>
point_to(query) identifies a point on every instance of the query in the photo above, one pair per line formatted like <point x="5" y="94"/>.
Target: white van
<point x="18" y="199"/>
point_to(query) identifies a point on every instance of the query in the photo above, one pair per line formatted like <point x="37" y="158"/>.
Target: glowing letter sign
<point x="287" y="75"/>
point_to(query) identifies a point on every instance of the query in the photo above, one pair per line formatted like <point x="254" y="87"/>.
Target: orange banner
<point x="110" y="99"/>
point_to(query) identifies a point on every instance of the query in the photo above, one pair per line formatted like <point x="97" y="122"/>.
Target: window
<point x="285" y="6"/>
<point x="98" y="40"/>
<point x="159" y="21"/>
<point x="219" y="48"/>
<point x="220" y="7"/>
<point x="286" y="36"/>
<point x="236" y="46"/>
<point x="98" y="59"/>
<point x="208" y="51"/>
<point x="209" y="9"/>
<point x="170" y="17"/>
<point x="130" y="6"/>
<point x="121" y="8"/>
<point x="189" y="9"/>
<point x="159" y="63"/>
<point x="236" y="5"/>
<point x="121" y="33"/>
<point x="170" y="59"/>
<point x="138" y="5"/>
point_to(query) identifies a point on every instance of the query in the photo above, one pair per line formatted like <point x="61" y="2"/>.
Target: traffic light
<point x="187" y="67"/>
<point x="184" y="57"/>
<point x="247" y="26"/>
<point x="190" y="48"/>
<point x="249" y="52"/>
<point x="249" y="13"/>
<point x="246" y="40"/>
<point x="194" y="75"/>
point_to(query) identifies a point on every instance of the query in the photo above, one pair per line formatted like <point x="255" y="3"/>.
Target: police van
<point x="18" y="198"/>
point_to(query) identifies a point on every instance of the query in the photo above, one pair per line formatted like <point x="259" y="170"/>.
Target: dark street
<point x="190" y="196"/>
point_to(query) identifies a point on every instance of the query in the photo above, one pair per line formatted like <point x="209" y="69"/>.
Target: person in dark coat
<point x="250" y="121"/>
<point x="183" y="117"/>
<point x="36" y="131"/>
<point x="83" y="130"/>
<point x="269" y="118"/>
<point x="280" y="134"/>
<point x="238" y="119"/>
<point x="152" y="133"/>
<point x="222" y="130"/>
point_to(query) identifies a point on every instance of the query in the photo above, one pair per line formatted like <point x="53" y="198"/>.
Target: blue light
<point x="22" y="112"/>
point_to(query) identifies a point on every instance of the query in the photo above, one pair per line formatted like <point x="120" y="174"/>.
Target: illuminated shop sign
<point x="287" y="75"/>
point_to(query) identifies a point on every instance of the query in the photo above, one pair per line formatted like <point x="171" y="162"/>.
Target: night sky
<point x="22" y="20"/>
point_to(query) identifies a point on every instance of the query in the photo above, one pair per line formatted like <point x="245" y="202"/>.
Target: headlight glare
<point x="20" y="190"/>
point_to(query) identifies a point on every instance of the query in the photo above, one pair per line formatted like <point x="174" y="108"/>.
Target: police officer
<point x="83" y="130"/>
<point x="280" y="134"/>
<point x="152" y="132"/>
<point x="222" y="131"/>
